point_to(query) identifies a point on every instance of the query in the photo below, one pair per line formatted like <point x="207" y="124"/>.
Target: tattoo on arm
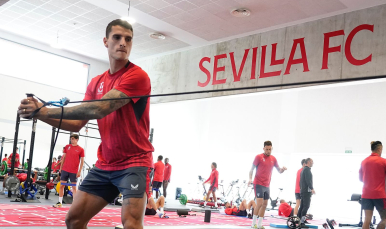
<point x="92" y="110"/>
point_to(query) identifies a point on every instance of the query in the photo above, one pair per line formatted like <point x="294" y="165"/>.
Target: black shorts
<point x="66" y="175"/>
<point x="261" y="192"/>
<point x="292" y="213"/>
<point x="298" y="196"/>
<point x="242" y="213"/>
<point x="212" y="188"/>
<point x="150" y="211"/>
<point x="369" y="204"/>
<point x="157" y="184"/>
<point x="131" y="183"/>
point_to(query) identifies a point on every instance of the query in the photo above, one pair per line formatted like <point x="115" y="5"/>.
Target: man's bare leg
<point x="83" y="209"/>
<point x="262" y="208"/>
<point x="133" y="212"/>
<point x="243" y="206"/>
<point x="160" y="202"/>
<point x="73" y="189"/>
<point x="207" y="197"/>
<point x="382" y="224"/>
<point x="251" y="204"/>
<point x="214" y="198"/>
<point x="368" y="216"/>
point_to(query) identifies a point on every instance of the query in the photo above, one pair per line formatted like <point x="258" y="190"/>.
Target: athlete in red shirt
<point x="285" y="209"/>
<point x="167" y="174"/>
<point x="6" y="159"/>
<point x="297" y="187"/>
<point x="54" y="162"/>
<point x="125" y="158"/>
<point x="159" y="168"/>
<point x="263" y="164"/>
<point x="373" y="173"/>
<point x="73" y="155"/>
<point x="213" y="180"/>
<point x="17" y="159"/>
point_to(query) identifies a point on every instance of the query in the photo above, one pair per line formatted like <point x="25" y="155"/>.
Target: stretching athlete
<point x="125" y="156"/>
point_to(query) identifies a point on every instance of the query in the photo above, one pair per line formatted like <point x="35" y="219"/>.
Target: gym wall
<point x="349" y="45"/>
<point x="320" y="122"/>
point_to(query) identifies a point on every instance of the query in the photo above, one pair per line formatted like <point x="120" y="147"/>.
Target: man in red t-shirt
<point x="73" y="155"/>
<point x="213" y="180"/>
<point x="125" y="158"/>
<point x="297" y="188"/>
<point x="242" y="210"/>
<point x="167" y="174"/>
<point x="159" y="168"/>
<point x="54" y="162"/>
<point x="373" y="173"/>
<point x="17" y="159"/>
<point x="263" y="164"/>
<point x="6" y="159"/>
<point x="285" y="209"/>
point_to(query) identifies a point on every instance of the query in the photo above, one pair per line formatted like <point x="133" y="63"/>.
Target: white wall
<point x="97" y="67"/>
<point x="318" y="122"/>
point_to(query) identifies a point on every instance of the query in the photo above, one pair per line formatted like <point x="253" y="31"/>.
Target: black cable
<point x="241" y="88"/>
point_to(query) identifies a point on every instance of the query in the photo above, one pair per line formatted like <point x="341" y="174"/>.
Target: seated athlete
<point x="285" y="209"/>
<point x="152" y="206"/>
<point x="243" y="210"/>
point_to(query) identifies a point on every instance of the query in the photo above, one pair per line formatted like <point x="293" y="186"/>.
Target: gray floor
<point x="53" y="199"/>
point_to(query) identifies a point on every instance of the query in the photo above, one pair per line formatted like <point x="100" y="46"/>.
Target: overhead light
<point x="241" y="12"/>
<point x="129" y="19"/>
<point x="158" y="36"/>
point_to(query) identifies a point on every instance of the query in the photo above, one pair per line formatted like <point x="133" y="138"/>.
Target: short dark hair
<point x="375" y="145"/>
<point x="303" y="161"/>
<point x="307" y="160"/>
<point x="5" y="155"/>
<point x="160" y="157"/>
<point x="214" y="164"/>
<point x="74" y="136"/>
<point x="119" y="22"/>
<point x="267" y="143"/>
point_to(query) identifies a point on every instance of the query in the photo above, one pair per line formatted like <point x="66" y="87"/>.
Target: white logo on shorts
<point x="258" y="194"/>
<point x="134" y="187"/>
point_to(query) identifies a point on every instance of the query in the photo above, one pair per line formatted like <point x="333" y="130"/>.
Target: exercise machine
<point x="275" y="201"/>
<point x="358" y="198"/>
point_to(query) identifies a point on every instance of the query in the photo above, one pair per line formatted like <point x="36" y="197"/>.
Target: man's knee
<point x="265" y="204"/>
<point x="74" y="221"/>
<point x="132" y="224"/>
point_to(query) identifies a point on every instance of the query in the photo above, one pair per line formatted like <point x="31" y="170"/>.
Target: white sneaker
<point x="262" y="227"/>
<point x="254" y="226"/>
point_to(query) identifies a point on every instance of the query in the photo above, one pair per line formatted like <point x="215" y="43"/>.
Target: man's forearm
<point x="85" y="111"/>
<point x="80" y="167"/>
<point x="69" y="125"/>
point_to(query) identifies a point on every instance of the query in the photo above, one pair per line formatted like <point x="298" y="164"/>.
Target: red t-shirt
<point x="125" y="132"/>
<point x="159" y="168"/>
<point x="72" y="160"/>
<point x="17" y="160"/>
<point x="285" y="210"/>
<point x="53" y="166"/>
<point x="373" y="173"/>
<point x="232" y="211"/>
<point x="297" y="185"/>
<point x="5" y="159"/>
<point x="213" y="178"/>
<point x="264" y="168"/>
<point x="167" y="172"/>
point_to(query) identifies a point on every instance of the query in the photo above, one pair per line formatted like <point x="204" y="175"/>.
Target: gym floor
<point x="53" y="199"/>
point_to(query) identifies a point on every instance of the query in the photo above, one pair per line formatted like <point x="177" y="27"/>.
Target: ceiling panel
<point x="80" y="24"/>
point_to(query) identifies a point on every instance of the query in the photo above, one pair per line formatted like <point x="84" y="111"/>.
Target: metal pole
<point x="2" y="145"/>
<point x="25" y="142"/>
<point x="31" y="151"/>
<point x="14" y="149"/>
<point x="50" y="161"/>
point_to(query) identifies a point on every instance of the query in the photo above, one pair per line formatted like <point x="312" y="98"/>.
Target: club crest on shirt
<point x="69" y="147"/>
<point x="100" y="89"/>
